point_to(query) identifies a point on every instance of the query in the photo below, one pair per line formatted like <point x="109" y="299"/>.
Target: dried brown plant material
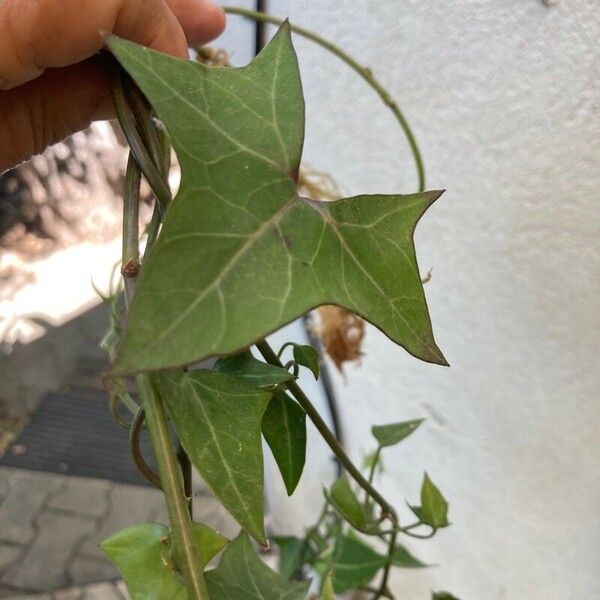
<point x="213" y="57"/>
<point x="341" y="332"/>
<point x="318" y="185"/>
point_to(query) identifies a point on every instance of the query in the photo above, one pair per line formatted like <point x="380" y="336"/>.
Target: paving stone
<point x="85" y="496"/>
<point x="90" y="569"/>
<point x="30" y="597"/>
<point x="4" y="486"/>
<point x="102" y="591"/>
<point x="122" y="588"/>
<point x="44" y="566"/>
<point x="75" y="593"/>
<point x="8" y="554"/>
<point x="130" y="505"/>
<point x="28" y="492"/>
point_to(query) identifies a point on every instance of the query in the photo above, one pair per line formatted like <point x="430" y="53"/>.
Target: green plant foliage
<point x="293" y="553"/>
<point x="347" y="504"/>
<point x="142" y="555"/>
<point x="354" y="563"/>
<point x="242" y="575"/>
<point x="443" y="596"/>
<point x="327" y="593"/>
<point x="284" y="428"/>
<point x="401" y="557"/>
<point x="255" y="371"/>
<point x="434" y="508"/>
<point x="218" y="419"/>
<point x="308" y="357"/>
<point x="388" y="435"/>
<point x="240" y="253"/>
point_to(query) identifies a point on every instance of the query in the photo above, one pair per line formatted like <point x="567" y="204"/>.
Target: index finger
<point x="37" y="34"/>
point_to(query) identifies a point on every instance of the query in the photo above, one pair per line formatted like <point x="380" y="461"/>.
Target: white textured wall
<point x="504" y="98"/>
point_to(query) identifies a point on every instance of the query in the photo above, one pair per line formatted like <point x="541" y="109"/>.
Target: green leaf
<point x="327" y="593"/>
<point x="241" y="575"/>
<point x="354" y="563"/>
<point x="217" y="417"/>
<point x="142" y="555"/>
<point x="347" y="504"/>
<point x="293" y="553"/>
<point x="434" y="508"/>
<point x="388" y="435"/>
<point x="443" y="596"/>
<point x="284" y="428"/>
<point x="308" y="357"/>
<point x="402" y="558"/>
<point x="240" y="253"/>
<point x="255" y="371"/>
<point x="418" y="511"/>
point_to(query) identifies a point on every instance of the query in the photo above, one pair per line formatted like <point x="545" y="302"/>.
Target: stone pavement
<point x="51" y="525"/>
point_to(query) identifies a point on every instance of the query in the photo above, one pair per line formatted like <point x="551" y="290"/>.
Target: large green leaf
<point x="142" y="555"/>
<point x="218" y="417"/>
<point x="434" y="508"/>
<point x="354" y="563"/>
<point x="242" y="575"/>
<point x="393" y="433"/>
<point x="257" y="372"/>
<point x="284" y="428"/>
<point x="240" y="253"/>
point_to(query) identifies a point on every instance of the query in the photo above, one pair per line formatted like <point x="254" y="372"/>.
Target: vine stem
<point x="186" y="552"/>
<point x="269" y="355"/>
<point x="363" y="72"/>
<point x="131" y="114"/>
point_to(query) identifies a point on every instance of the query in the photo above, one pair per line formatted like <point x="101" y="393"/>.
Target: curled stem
<point x="363" y="72"/>
<point x="136" y="451"/>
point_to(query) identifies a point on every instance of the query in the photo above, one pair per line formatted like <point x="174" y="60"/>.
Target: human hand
<point x="52" y="80"/>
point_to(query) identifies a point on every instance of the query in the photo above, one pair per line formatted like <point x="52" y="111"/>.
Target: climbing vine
<point x="236" y="255"/>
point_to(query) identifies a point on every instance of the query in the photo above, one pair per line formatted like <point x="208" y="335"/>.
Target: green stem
<point x="372" y="473"/>
<point x="383" y="586"/>
<point x="313" y="414"/>
<point x="364" y="72"/>
<point x="186" y="552"/>
<point x="184" y="546"/>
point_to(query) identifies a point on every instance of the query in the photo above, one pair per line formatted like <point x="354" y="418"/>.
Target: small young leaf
<point x="293" y="553"/>
<point x="418" y="511"/>
<point x="354" y="563"/>
<point x="327" y="593"/>
<point x="434" y="508"/>
<point x="141" y="553"/>
<point x="402" y="558"/>
<point x="255" y="371"/>
<point x="443" y="596"/>
<point x="388" y="435"/>
<point x="217" y="418"/>
<point x="241" y="575"/>
<point x="284" y="428"/>
<point x="308" y="357"/>
<point x="346" y="503"/>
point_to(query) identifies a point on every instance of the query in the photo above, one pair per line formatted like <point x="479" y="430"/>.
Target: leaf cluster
<point x="239" y="255"/>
